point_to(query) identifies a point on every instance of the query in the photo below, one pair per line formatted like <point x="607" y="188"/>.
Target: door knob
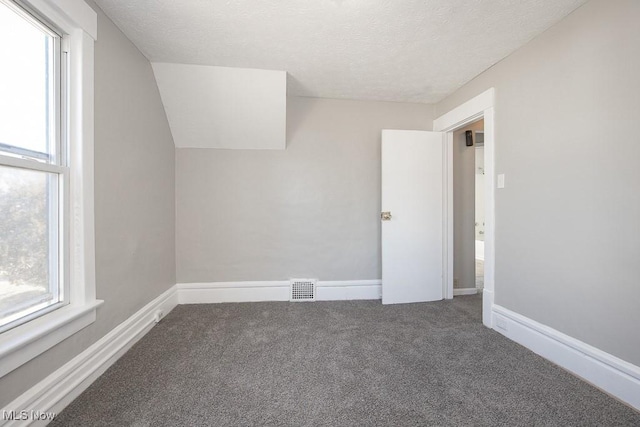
<point x="385" y="216"/>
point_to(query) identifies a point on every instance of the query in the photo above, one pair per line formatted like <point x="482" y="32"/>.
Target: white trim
<point x="487" y="307"/>
<point x="79" y="22"/>
<point x="613" y="375"/>
<point x="68" y="14"/>
<point x="220" y="292"/>
<point x="464" y="113"/>
<point x="349" y="290"/>
<point x="31" y="164"/>
<point x="489" y="202"/>
<point x="59" y="389"/>
<point x="27" y="341"/>
<point x="82" y="229"/>
<point x="465" y="291"/>
<point x="482" y="106"/>
<point x="605" y="371"/>
<point x="447" y="215"/>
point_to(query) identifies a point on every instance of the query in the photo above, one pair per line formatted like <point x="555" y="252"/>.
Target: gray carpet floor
<point x="354" y="363"/>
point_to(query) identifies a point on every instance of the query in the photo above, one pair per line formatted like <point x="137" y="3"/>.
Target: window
<point x="47" y="255"/>
<point x="32" y="169"/>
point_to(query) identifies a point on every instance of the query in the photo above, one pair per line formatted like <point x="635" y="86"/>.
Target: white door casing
<point x="412" y="239"/>
<point x="479" y="107"/>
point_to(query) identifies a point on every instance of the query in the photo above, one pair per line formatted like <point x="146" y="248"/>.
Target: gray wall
<point x="568" y="220"/>
<point x="134" y="200"/>
<point x="464" y="208"/>
<point x="309" y="211"/>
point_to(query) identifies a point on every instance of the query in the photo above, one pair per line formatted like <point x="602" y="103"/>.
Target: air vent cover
<point x="303" y="290"/>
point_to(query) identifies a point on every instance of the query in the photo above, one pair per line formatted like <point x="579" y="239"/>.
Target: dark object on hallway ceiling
<point x="469" y="135"/>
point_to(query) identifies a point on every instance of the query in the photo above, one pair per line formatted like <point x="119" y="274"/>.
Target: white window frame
<point x="24" y="342"/>
<point x="54" y="164"/>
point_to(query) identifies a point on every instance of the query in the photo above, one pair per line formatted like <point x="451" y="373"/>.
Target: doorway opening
<point x="468" y="209"/>
<point x="475" y="109"/>
<point x="479" y="209"/>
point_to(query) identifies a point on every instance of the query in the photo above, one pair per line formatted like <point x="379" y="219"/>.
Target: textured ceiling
<point x="393" y="50"/>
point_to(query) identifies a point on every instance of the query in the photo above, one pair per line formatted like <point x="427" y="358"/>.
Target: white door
<point x="412" y="221"/>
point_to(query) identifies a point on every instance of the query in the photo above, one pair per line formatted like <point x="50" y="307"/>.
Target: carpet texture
<point x="348" y="363"/>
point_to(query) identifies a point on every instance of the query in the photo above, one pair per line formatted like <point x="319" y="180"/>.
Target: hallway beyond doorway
<point x="479" y="274"/>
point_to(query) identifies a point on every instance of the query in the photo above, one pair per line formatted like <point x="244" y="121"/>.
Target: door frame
<point x="479" y="107"/>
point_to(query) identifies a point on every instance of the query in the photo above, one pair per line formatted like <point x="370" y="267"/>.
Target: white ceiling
<point x="392" y="50"/>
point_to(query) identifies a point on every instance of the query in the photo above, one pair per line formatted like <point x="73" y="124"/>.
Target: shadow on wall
<point x="299" y="110"/>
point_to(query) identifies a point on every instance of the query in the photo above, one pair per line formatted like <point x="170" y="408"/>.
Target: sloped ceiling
<point x="222" y="107"/>
<point x="392" y="50"/>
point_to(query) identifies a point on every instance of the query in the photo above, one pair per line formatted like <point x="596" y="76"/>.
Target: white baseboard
<point x="59" y="389"/>
<point x="464" y="291"/>
<point x="605" y="371"/>
<point x="220" y="292"/>
<point x="614" y="376"/>
<point x="55" y="392"/>
<point x="349" y="290"/>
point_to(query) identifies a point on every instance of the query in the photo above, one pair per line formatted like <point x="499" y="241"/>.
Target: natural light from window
<point x="29" y="191"/>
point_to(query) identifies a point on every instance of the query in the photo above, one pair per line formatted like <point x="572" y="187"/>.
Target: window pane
<point x="26" y="87"/>
<point x="28" y="242"/>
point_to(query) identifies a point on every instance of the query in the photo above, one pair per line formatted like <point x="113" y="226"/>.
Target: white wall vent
<point x="303" y="289"/>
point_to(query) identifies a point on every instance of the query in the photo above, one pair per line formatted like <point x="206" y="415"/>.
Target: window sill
<point x="24" y="342"/>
